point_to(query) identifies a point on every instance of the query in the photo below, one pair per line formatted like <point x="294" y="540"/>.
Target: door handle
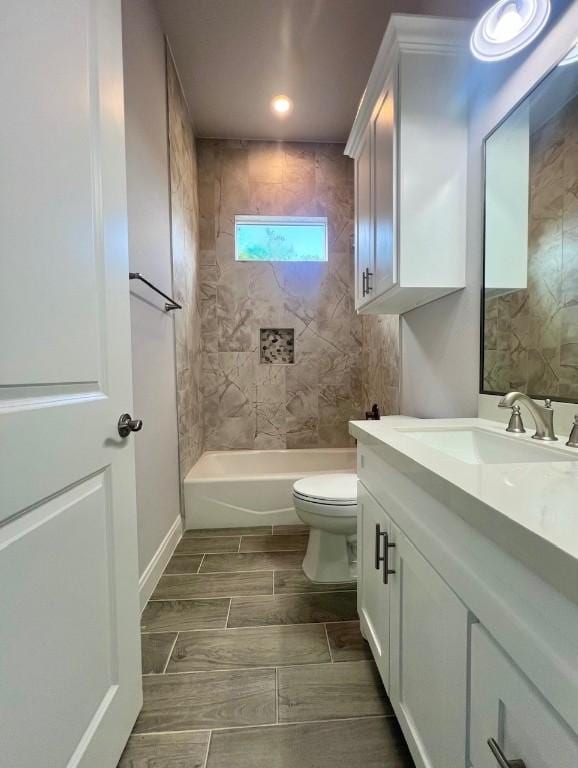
<point x="387" y="571"/>
<point x="368" y="274"/>
<point x="363" y="281"/>
<point x="378" y="555"/>
<point x="501" y="758"/>
<point x="379" y="558"/>
<point x="126" y="425"/>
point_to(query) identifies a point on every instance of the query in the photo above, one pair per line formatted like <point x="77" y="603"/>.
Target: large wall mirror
<point x="530" y="297"/>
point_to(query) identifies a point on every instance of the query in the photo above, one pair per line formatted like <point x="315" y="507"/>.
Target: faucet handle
<point x="573" y="439"/>
<point x="516" y="424"/>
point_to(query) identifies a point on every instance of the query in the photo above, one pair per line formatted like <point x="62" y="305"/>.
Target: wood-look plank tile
<point x="207" y="700"/>
<point x="346" y="642"/>
<point x="295" y="582"/>
<point x="183" y="615"/>
<point x="331" y="691"/>
<point x="155" y="650"/>
<point x="166" y="750"/>
<point x="189" y="545"/>
<point x="251" y="561"/>
<point x="183" y="564"/>
<point x="198" y="533"/>
<point x="290" y="529"/>
<point x="174" y="587"/>
<point x="279" y="543"/>
<point x="250" y="647"/>
<point x="293" y="609"/>
<point x="364" y="743"/>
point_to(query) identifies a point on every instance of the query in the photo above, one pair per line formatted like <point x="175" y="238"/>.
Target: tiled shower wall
<point x="380" y="362"/>
<point x="248" y="404"/>
<point x="185" y="253"/>
<point x="531" y="336"/>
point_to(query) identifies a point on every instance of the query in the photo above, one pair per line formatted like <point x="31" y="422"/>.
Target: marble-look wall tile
<point x="186" y="276"/>
<point x="531" y="336"/>
<point x="247" y="404"/>
<point x="380" y="367"/>
<point x="295" y="405"/>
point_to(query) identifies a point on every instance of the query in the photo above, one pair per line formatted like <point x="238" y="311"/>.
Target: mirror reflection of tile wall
<point x="531" y="335"/>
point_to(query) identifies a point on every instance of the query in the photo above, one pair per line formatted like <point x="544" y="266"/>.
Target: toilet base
<point x="327" y="559"/>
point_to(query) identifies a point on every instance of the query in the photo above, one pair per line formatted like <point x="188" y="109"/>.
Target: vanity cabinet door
<point x="428" y="659"/>
<point x="384" y="172"/>
<point x="506" y="707"/>
<point x="364" y="236"/>
<point x="374" y="528"/>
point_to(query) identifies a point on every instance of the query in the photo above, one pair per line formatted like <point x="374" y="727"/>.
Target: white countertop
<point x="536" y="502"/>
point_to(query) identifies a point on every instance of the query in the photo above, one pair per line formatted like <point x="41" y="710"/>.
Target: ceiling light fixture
<point x="571" y="57"/>
<point x="508" y="27"/>
<point x="282" y="105"/>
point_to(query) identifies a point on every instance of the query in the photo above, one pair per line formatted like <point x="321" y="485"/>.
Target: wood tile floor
<point x="247" y="664"/>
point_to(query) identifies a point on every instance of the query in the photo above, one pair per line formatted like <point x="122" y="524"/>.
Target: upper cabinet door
<point x="70" y="683"/>
<point x="364" y="223"/>
<point x="385" y="187"/>
<point x="411" y="231"/>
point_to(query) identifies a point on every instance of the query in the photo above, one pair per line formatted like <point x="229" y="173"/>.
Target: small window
<point x="280" y="238"/>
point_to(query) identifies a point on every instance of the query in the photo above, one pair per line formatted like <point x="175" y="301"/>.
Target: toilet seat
<point x="338" y="490"/>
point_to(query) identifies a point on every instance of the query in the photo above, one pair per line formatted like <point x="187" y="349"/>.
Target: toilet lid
<point x="328" y="489"/>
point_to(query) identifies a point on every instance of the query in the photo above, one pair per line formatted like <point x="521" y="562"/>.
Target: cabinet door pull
<point x="368" y="274"/>
<point x="363" y="282"/>
<point x="501" y="759"/>
<point x="378" y="555"/>
<point x="387" y="571"/>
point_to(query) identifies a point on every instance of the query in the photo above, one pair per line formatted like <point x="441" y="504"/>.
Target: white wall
<point x="157" y="464"/>
<point x="440" y="342"/>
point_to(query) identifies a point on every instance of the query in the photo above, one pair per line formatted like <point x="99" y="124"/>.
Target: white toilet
<point x="328" y="504"/>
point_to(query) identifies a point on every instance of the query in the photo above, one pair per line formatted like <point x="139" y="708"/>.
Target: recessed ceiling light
<point x="282" y="105"/>
<point x="508" y="27"/>
<point x="571" y="57"/>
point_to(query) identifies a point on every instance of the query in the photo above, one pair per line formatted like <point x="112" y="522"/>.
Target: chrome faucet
<point x="543" y="414"/>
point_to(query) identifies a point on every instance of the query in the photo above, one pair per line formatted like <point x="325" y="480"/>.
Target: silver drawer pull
<point x="501" y="758"/>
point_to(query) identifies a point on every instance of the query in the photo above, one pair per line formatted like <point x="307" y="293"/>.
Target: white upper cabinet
<point x="409" y="143"/>
<point x="363" y="221"/>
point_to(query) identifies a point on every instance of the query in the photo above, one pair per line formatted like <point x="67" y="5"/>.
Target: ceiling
<point x="233" y="56"/>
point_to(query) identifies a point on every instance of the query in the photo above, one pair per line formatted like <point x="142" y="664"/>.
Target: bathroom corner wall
<point x="185" y="255"/>
<point x="247" y="404"/>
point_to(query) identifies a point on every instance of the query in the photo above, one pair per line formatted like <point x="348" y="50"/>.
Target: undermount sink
<point x="478" y="446"/>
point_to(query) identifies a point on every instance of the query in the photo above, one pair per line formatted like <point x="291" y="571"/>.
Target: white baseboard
<point x="158" y="563"/>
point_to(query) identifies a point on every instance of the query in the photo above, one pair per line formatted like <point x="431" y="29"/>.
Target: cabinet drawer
<point x="506" y="707"/>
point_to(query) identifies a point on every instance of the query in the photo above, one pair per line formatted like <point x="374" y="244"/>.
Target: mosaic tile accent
<point x="277" y="346"/>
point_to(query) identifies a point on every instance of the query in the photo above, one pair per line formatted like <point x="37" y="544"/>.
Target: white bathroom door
<point x="69" y="640"/>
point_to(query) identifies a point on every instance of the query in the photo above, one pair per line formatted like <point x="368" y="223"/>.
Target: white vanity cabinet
<point x="471" y="645"/>
<point x="409" y="143"/>
<point x="417" y="629"/>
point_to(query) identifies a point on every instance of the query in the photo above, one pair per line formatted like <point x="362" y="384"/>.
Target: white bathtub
<point x="242" y="488"/>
